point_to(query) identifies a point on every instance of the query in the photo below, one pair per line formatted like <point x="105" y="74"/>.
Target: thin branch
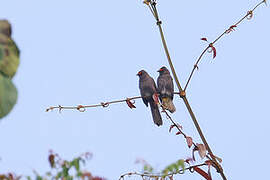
<point x="183" y="96"/>
<point x="227" y="31"/>
<point x="185" y="136"/>
<point x="82" y="108"/>
<point x="190" y="168"/>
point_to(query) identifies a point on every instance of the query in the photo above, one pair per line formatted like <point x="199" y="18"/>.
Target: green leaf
<point x="79" y="174"/>
<point x="148" y="168"/>
<point x="181" y="163"/>
<point x="76" y="164"/>
<point x="174" y="167"/>
<point x="38" y="178"/>
<point x="65" y="171"/>
<point x="59" y="175"/>
<point x="170" y="168"/>
<point x="9" y="56"/>
<point x="8" y="95"/>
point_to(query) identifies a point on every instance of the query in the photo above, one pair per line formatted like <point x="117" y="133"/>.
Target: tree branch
<point x="230" y="29"/>
<point x="82" y="108"/>
<point x="190" y="168"/>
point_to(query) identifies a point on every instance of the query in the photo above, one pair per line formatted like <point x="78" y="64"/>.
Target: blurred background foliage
<point x="61" y="169"/>
<point x="9" y="62"/>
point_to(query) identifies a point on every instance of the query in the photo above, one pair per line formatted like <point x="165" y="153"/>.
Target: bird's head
<point x="142" y="73"/>
<point x="163" y="70"/>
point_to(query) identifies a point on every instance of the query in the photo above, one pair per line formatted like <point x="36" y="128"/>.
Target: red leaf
<point x="87" y="174"/>
<point x="202" y="150"/>
<point x="97" y="178"/>
<point x="231" y="28"/>
<point x="204" y="39"/>
<point x="214" y="50"/>
<point x="178" y="133"/>
<point x="202" y="173"/>
<point x="51" y="160"/>
<point x="10" y="176"/>
<point x="130" y="104"/>
<point x="209" y="163"/>
<point x="171" y="127"/>
<point x="155" y="97"/>
<point x="189" y="141"/>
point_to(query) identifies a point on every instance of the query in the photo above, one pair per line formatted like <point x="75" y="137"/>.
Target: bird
<point x="148" y="88"/>
<point x="166" y="89"/>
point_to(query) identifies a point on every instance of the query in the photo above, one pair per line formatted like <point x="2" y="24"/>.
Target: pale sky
<point x="87" y="52"/>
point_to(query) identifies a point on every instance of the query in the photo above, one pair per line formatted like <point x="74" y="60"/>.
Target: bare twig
<point x="82" y="108"/>
<point x="248" y="15"/>
<point x="190" y="168"/>
<point x="185" y="136"/>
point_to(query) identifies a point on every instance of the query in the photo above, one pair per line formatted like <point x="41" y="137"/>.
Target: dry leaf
<point x="202" y="150"/>
<point x="189" y="141"/>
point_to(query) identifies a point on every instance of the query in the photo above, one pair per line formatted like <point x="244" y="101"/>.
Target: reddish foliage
<point x="202" y="150"/>
<point x="202" y="173"/>
<point x="231" y="28"/>
<point x="214" y="50"/>
<point x="204" y="39"/>
<point x="171" y="127"/>
<point x="97" y="178"/>
<point x="51" y="160"/>
<point x="209" y="163"/>
<point x="178" y="133"/>
<point x="86" y="174"/>
<point x="130" y="104"/>
<point x="189" y="141"/>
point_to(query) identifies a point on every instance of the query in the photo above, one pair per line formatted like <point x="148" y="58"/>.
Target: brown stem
<point x="82" y="108"/>
<point x="219" y="168"/>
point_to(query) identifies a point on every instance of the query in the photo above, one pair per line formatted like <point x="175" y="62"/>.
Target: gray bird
<point x="148" y="88"/>
<point x="166" y="89"/>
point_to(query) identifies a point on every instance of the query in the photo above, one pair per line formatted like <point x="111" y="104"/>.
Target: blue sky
<point x="85" y="52"/>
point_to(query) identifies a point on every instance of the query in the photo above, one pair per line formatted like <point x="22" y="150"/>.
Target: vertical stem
<point x="219" y="168"/>
<point x="169" y="58"/>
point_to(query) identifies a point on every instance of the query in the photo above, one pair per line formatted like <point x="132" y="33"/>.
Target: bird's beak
<point x="160" y="70"/>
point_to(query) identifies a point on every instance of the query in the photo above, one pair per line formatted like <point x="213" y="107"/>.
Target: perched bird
<point x="165" y="89"/>
<point x="148" y="89"/>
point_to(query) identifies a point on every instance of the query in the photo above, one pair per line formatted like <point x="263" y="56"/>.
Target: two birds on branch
<point x="150" y="92"/>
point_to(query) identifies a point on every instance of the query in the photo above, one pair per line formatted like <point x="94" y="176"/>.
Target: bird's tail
<point x="156" y="114"/>
<point x="168" y="104"/>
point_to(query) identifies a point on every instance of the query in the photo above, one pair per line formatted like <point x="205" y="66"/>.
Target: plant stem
<point x="219" y="168"/>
